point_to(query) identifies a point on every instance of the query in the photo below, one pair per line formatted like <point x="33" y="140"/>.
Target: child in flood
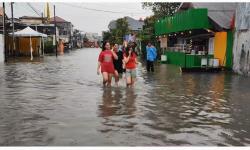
<point x="105" y="62"/>
<point x="118" y="63"/>
<point x="130" y="60"/>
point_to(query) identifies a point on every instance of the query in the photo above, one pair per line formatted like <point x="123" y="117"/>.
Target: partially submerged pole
<point x="43" y="45"/>
<point x="4" y="34"/>
<point x="41" y="40"/>
<point x="55" y="28"/>
<point x="31" y="50"/>
<point x="12" y="22"/>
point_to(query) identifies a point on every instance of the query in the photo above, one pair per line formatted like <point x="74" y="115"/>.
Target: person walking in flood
<point x="130" y="60"/>
<point x="151" y="57"/>
<point x="105" y="62"/>
<point x="118" y="63"/>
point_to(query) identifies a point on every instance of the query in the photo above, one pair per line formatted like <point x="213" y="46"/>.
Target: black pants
<point x="150" y="66"/>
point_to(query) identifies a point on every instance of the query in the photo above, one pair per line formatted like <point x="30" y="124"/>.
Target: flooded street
<point x="61" y="102"/>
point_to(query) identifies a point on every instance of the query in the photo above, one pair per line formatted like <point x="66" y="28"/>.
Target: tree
<point x="122" y="29"/>
<point x="116" y="34"/>
<point x="148" y="33"/>
<point x="161" y="9"/>
<point x="148" y="28"/>
<point x="106" y="35"/>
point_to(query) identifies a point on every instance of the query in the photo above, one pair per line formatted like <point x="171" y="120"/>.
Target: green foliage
<point x="116" y="35"/>
<point x="161" y="9"/>
<point x="148" y="29"/>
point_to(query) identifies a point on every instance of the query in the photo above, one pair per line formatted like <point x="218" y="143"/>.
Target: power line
<point x="35" y="10"/>
<point x="22" y="8"/>
<point x="101" y="10"/>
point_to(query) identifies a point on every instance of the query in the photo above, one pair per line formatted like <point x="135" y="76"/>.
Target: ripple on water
<point x="61" y="101"/>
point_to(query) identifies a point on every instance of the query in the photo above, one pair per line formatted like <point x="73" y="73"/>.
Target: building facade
<point x="65" y="30"/>
<point x="241" y="49"/>
<point x="133" y="24"/>
<point x="198" y="32"/>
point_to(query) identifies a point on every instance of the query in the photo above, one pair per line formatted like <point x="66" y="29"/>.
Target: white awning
<point x="28" y="32"/>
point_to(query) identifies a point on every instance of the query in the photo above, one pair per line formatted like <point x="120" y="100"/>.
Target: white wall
<point x="241" y="52"/>
<point x="241" y="47"/>
<point x="1" y="49"/>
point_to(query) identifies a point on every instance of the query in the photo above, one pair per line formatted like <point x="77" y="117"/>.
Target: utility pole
<point x="4" y="34"/>
<point x="42" y="18"/>
<point x="55" y="27"/>
<point x="12" y="22"/>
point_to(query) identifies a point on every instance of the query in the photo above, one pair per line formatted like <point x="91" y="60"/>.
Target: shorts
<point x="107" y="68"/>
<point x="131" y="73"/>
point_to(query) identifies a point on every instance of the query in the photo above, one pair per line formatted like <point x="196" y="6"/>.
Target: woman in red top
<point x="130" y="60"/>
<point x="105" y="62"/>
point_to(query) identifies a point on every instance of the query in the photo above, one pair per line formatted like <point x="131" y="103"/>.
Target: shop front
<point x="192" y="40"/>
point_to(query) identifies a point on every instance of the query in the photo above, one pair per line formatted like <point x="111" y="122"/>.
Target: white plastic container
<point x="211" y="62"/>
<point x="216" y="63"/>
<point x="203" y="61"/>
<point x="193" y="52"/>
<point x="163" y="58"/>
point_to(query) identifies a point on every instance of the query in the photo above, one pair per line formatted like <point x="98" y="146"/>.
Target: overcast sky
<point x="83" y="19"/>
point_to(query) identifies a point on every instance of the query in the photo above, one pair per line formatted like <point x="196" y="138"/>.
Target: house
<point x="133" y="24"/>
<point x="197" y="32"/>
<point x="220" y="14"/>
<point x="31" y="20"/>
<point x="91" y="40"/>
<point x="77" y="39"/>
<point x="39" y="24"/>
<point x="65" y="29"/>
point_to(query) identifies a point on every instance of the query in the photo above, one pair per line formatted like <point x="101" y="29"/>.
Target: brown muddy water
<point x="61" y="102"/>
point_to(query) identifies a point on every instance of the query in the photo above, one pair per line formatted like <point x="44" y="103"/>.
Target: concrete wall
<point x="1" y="49"/>
<point x="241" y="48"/>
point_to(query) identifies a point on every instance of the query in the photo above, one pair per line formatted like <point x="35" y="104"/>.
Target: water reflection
<point x="110" y="102"/>
<point x="12" y="60"/>
<point x="117" y="109"/>
<point x="192" y="105"/>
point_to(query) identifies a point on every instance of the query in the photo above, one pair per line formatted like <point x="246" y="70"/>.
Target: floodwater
<point x="61" y="102"/>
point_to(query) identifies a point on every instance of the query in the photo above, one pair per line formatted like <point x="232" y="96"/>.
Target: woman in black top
<point x="118" y="64"/>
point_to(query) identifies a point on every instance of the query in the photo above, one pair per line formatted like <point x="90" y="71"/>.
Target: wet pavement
<point x="61" y="102"/>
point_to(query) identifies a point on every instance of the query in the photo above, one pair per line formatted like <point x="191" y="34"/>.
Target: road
<point x="61" y="102"/>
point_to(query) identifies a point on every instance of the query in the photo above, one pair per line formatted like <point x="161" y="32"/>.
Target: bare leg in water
<point x="105" y="78"/>
<point x="132" y="81"/>
<point x="116" y="75"/>
<point x="109" y="80"/>
<point x="128" y="79"/>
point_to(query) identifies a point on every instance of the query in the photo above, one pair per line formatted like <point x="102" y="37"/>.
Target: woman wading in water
<point x="118" y="63"/>
<point x="130" y="60"/>
<point x="105" y="62"/>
